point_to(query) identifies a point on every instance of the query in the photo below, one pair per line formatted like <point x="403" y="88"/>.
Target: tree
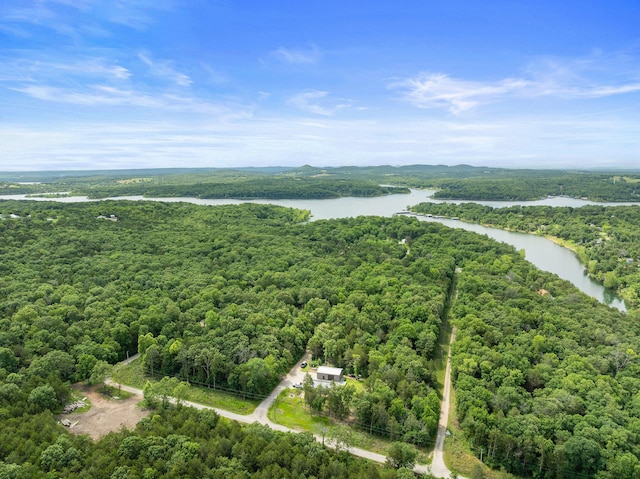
<point x="165" y="388"/>
<point x="400" y="455"/>
<point x="339" y="400"/>
<point x="8" y="360"/>
<point x="144" y="341"/>
<point x="84" y="365"/>
<point x="100" y="372"/>
<point x="255" y="376"/>
<point x="54" y="362"/>
<point x="342" y="437"/>
<point x="212" y="362"/>
<point x="43" y="398"/>
<point x="52" y="458"/>
<point x="181" y="391"/>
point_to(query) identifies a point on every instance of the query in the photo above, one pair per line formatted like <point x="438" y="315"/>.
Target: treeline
<point x="606" y="239"/>
<point x="268" y="188"/>
<point x="524" y="187"/>
<point x="174" y="443"/>
<point x="307" y="182"/>
<point x="221" y="184"/>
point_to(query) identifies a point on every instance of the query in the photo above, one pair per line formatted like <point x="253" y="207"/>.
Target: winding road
<point x="296" y="375"/>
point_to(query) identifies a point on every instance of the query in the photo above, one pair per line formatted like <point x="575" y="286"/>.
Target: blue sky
<point x="88" y="84"/>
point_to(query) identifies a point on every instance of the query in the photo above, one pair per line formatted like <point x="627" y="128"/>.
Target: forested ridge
<point x="534" y="185"/>
<point x="244" y="183"/>
<point x="546" y="378"/>
<point x="308" y="182"/>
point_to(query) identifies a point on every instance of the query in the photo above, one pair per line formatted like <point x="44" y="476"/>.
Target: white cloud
<point x="310" y="101"/>
<point x="595" y="76"/>
<point x="96" y="81"/>
<point x="296" y="56"/>
<point x="441" y="91"/>
<point x="89" y="14"/>
<point x="36" y="70"/>
<point x="107" y="95"/>
<point x="164" y="70"/>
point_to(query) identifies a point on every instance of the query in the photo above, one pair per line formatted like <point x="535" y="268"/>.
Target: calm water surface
<point x="543" y="253"/>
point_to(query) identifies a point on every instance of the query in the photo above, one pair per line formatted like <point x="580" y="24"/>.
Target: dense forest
<point x="223" y="295"/>
<point x="594" y="186"/>
<point x="174" y="443"/>
<point x="546" y="378"/>
<point x="451" y="182"/>
<point x="606" y="239"/>
<point x="244" y="183"/>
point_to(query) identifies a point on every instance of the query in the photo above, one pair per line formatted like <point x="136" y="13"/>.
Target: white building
<point x="326" y="373"/>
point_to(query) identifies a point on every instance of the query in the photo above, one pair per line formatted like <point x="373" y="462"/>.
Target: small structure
<point x="110" y="217"/>
<point x="326" y="373"/>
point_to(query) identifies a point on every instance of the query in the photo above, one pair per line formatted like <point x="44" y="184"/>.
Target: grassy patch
<point x="133" y="375"/>
<point x="291" y="411"/>
<point x="357" y="385"/>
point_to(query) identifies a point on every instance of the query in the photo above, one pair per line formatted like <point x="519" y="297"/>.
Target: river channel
<point x="540" y="251"/>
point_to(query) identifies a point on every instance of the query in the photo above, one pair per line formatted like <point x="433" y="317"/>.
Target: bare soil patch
<point x="106" y="414"/>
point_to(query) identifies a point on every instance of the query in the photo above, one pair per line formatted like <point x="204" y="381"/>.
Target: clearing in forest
<point x="106" y="414"/>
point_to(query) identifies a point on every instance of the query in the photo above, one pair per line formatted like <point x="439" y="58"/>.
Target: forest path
<point x="438" y="467"/>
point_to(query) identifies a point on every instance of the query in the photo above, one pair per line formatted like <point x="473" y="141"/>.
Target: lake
<point x="540" y="251"/>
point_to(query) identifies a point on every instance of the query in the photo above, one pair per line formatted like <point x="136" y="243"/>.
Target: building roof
<point x="328" y="370"/>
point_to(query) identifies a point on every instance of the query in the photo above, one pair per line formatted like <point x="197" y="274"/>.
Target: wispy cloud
<point x="106" y="95"/>
<point x="163" y="69"/>
<point x="76" y="18"/>
<point x="597" y="75"/>
<point x="441" y="91"/>
<point x="296" y="56"/>
<point x="312" y="102"/>
<point x="96" y="81"/>
<point x="592" y="77"/>
<point x="59" y="71"/>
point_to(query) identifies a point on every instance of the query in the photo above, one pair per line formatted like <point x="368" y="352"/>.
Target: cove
<point x="543" y="253"/>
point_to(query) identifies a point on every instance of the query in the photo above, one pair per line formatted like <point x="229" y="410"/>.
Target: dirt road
<point x="296" y="375"/>
<point x="438" y="467"/>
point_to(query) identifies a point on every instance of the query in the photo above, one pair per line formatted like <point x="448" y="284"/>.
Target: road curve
<point x="259" y="415"/>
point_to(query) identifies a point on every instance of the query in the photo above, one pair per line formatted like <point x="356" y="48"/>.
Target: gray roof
<point x="331" y="371"/>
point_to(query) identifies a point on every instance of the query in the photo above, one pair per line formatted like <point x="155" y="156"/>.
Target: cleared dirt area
<point x="106" y="414"/>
